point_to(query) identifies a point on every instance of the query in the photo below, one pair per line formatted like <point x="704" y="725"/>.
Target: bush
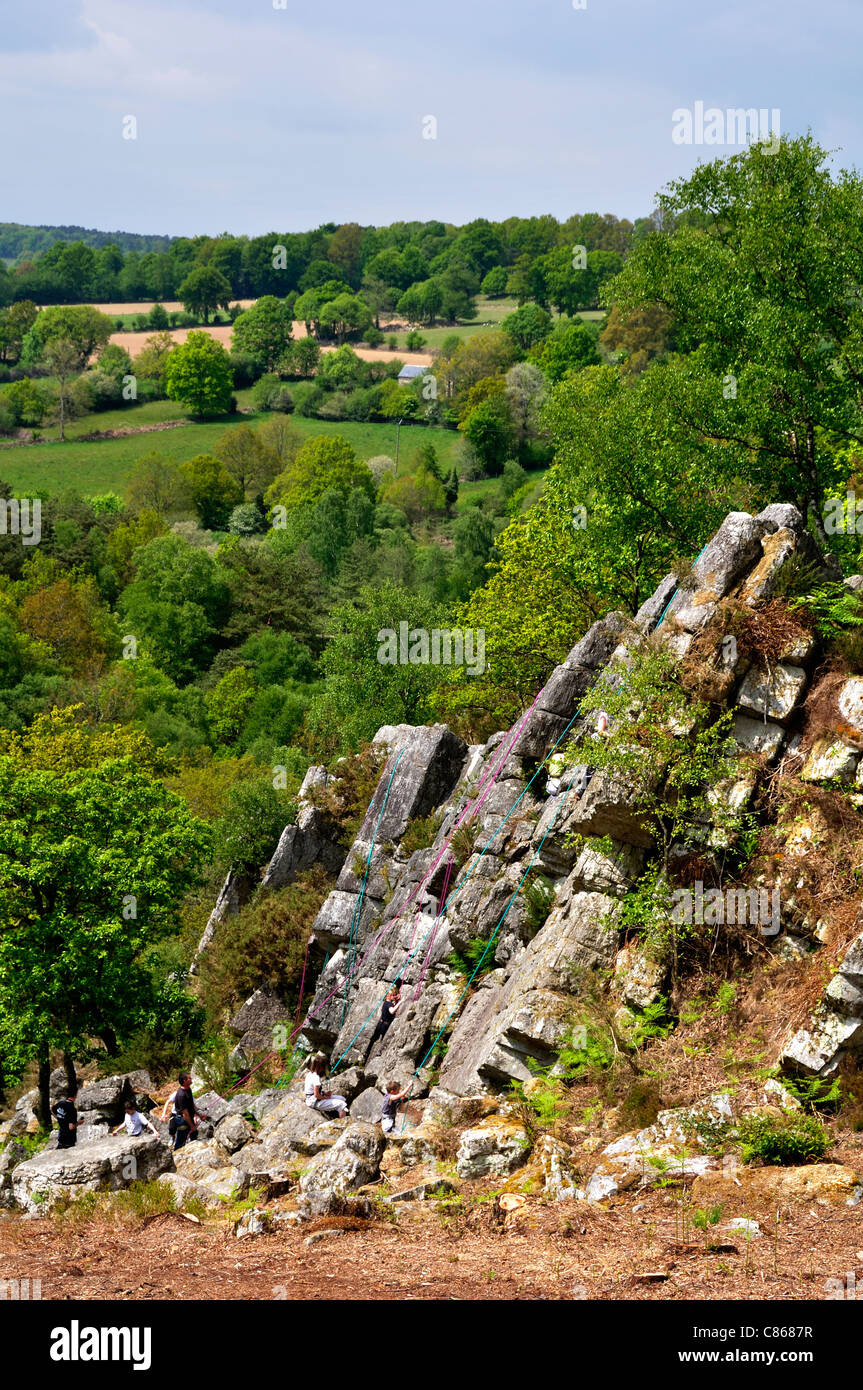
<point x="264" y="946"/>
<point x="255" y="818"/>
<point x="789" y="1139"/>
<point x="373" y="337"/>
<point x="271" y="393"/>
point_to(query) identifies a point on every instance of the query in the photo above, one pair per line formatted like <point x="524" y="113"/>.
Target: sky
<point x="250" y="118"/>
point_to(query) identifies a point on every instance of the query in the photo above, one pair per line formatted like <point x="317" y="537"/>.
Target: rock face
<point x="40" y="1182"/>
<point x="497" y="1146"/>
<point x="332" y="1176"/>
<point x="670" y="1146"/>
<point x="836" y="1027"/>
<point x="498" y="814"/>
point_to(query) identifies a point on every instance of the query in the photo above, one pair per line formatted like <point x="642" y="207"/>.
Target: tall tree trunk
<point x="71" y="1074"/>
<point x="43" y="1108"/>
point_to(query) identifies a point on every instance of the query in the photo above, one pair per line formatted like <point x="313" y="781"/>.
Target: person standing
<point x="65" y="1113"/>
<point x="183" y="1124"/>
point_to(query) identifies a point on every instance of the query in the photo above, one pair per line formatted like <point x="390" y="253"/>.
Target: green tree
<point x="325" y="461"/>
<point x="361" y="692"/>
<point x="264" y="331"/>
<point x="527" y="326"/>
<point x="198" y="374"/>
<point x="203" y="290"/>
<point x="84" y="327"/>
<point x="94" y="862"/>
<point x="213" y="490"/>
<point x="177" y="604"/>
<point x="760" y="274"/>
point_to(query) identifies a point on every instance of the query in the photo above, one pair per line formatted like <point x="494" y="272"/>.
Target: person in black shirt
<point x="389" y="1009"/>
<point x="66" y="1114"/>
<point x="183" y="1124"/>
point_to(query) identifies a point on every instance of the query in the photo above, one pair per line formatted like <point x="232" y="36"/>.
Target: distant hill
<point x="19" y="241"/>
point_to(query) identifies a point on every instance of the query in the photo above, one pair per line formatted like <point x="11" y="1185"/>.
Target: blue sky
<point x="251" y="118"/>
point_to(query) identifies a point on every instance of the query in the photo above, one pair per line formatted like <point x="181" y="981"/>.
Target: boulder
<point x="332" y="1176"/>
<point x="830" y="760"/>
<point x="772" y="694"/>
<point x="262" y="1012"/>
<point x="639" y="979"/>
<point x="826" y="1184"/>
<point x="310" y="841"/>
<point x="850" y="704"/>
<point x="508" y="1025"/>
<point x="760" y="583"/>
<point x="498" y="1145"/>
<point x="818" y="1050"/>
<point x="233" y="1132"/>
<point x="109" y="1165"/>
<point x="651" y="611"/>
<point x="107" y="1097"/>
<point x="669" y="1148"/>
<point x="550" y="1171"/>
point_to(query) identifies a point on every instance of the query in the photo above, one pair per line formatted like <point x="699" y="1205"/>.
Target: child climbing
<point x="389" y="1009"/>
<point x="392" y="1103"/>
<point x="134" y="1122"/>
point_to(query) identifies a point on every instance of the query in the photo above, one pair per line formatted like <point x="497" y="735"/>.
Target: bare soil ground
<point x="630" y="1250"/>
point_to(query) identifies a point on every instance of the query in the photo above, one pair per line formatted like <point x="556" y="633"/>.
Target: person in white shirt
<point x="134" y="1122"/>
<point x="316" y="1096"/>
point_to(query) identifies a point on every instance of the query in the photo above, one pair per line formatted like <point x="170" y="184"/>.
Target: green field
<point x="105" y="465"/>
<point x="491" y="313"/>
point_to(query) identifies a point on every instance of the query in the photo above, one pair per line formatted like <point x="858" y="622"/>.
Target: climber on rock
<point x="389" y="1009"/>
<point x="586" y="774"/>
<point x="316" y="1096"/>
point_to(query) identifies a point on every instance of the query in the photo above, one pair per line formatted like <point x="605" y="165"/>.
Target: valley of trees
<point x="168" y="646"/>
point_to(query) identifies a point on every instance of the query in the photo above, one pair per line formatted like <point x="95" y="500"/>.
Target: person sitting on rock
<point x="389" y="1009"/>
<point x="65" y="1112"/>
<point x="183" y="1123"/>
<point x="392" y="1103"/>
<point x="316" y="1096"/>
<point x="134" y="1122"/>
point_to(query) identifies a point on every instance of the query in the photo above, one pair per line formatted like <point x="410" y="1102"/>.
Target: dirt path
<point x="563" y="1251"/>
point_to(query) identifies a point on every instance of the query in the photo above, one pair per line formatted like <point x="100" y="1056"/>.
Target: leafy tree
<point x="151" y="362"/>
<point x="204" y="289"/>
<point x="325" y="461"/>
<point x="229" y="703"/>
<point x="760" y="275"/>
<point x="264" y="331"/>
<point x="68" y="618"/>
<point x="94" y="861"/>
<point x="347" y="313"/>
<point x="27" y="400"/>
<point x="60" y="356"/>
<point x="527" y="326"/>
<point x="198" y="374"/>
<point x="84" y="327"/>
<point x="494" y="282"/>
<point x="638" y="338"/>
<point x="177" y="604"/>
<point x="361" y="692"/>
<point x="15" y="324"/>
<point x="157" y="485"/>
<point x="473" y="542"/>
<point x="489" y="430"/>
<point x="213" y="490"/>
<point x="569" y="347"/>
<point x="244" y="454"/>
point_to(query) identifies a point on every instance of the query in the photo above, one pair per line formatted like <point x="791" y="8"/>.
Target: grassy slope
<point x="106" y="465"/>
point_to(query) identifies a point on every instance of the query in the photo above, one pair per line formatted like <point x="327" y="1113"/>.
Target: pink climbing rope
<point x="440" y="914"/>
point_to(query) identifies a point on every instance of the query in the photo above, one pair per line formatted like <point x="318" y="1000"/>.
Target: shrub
<point x="786" y="1139"/>
<point x="263" y="946"/>
<point x="420" y="833"/>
